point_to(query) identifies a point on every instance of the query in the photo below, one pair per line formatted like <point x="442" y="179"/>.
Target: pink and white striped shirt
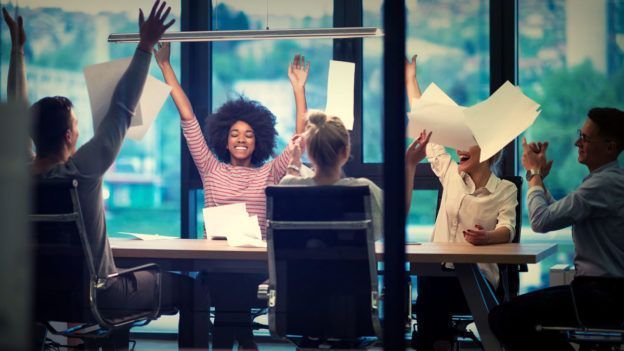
<point x="225" y="184"/>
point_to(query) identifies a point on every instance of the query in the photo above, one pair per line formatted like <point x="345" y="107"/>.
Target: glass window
<point x="451" y="39"/>
<point x="448" y="36"/>
<point x="258" y="69"/>
<point x="142" y="188"/>
<point x="570" y="59"/>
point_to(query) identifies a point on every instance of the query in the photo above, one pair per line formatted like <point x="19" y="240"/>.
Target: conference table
<point x="424" y="259"/>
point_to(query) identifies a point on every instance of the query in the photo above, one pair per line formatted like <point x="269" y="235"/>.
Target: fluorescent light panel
<point x="268" y="34"/>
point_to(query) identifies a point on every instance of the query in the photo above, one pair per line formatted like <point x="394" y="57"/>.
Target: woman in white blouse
<point x="477" y="207"/>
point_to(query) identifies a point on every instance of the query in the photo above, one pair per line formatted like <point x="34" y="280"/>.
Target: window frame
<point x="196" y="61"/>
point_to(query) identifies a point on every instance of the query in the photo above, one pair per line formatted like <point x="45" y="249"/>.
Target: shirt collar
<point x="469" y="185"/>
<point x="612" y="164"/>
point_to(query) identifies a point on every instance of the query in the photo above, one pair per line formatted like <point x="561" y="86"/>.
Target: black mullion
<point x="504" y="60"/>
<point x="395" y="278"/>
<point x="197" y="83"/>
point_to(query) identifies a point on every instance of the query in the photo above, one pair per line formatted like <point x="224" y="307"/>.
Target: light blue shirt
<point x="596" y="213"/>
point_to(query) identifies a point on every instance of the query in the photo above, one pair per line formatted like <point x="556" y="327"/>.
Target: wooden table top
<point x="194" y="249"/>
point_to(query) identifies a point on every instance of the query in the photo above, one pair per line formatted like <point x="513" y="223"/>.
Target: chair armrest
<point x="263" y="291"/>
<point x="148" y="315"/>
<point x="144" y="267"/>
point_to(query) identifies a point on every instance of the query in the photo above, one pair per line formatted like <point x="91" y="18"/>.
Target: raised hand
<point x="417" y="149"/>
<point x="298" y="71"/>
<point x="410" y="68"/>
<point x="477" y="236"/>
<point x="162" y="54"/>
<point x="18" y="36"/>
<point x="152" y="28"/>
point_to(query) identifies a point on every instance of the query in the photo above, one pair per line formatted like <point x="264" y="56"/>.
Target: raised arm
<point x="163" y="54"/>
<point x="17" y="89"/>
<point x="97" y="155"/>
<point x="298" y="74"/>
<point x="411" y="80"/>
<point x="414" y="154"/>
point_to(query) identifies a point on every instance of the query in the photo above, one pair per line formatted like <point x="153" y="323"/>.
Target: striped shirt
<point x="225" y="184"/>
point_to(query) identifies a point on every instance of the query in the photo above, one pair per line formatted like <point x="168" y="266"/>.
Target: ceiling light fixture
<point x="268" y="34"/>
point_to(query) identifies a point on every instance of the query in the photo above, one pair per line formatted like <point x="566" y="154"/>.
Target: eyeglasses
<point x="585" y="139"/>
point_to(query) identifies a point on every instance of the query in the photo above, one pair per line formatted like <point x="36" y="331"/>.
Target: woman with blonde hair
<point x="329" y="148"/>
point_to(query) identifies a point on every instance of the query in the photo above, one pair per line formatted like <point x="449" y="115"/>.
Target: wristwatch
<point x="531" y="172"/>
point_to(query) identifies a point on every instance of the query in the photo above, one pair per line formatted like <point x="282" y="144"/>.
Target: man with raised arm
<point x="55" y="134"/>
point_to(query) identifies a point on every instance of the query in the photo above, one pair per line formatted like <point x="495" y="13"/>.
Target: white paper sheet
<point x="491" y="124"/>
<point x="438" y="113"/>
<point x="248" y="235"/>
<point x="101" y="81"/>
<point x="149" y="236"/>
<point x="222" y="220"/>
<point x="499" y="119"/>
<point x="340" y="91"/>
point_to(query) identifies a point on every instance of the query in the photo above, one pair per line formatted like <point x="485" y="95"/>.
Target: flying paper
<point x="101" y="81"/>
<point x="491" y="124"/>
<point x="340" y="91"/>
<point x="438" y="113"/>
<point x="501" y="118"/>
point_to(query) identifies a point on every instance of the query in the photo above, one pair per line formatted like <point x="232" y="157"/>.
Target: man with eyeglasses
<point x="596" y="213"/>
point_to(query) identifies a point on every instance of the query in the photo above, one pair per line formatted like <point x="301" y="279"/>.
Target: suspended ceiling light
<point x="267" y="34"/>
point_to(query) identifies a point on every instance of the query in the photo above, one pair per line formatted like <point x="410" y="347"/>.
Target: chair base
<point x="307" y="343"/>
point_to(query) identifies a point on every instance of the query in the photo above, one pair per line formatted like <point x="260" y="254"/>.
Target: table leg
<point x="481" y="300"/>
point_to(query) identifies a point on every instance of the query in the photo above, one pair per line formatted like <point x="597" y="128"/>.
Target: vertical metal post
<point x="504" y="60"/>
<point x="197" y="83"/>
<point x="395" y="301"/>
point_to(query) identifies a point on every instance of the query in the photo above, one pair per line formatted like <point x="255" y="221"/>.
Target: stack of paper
<point x="491" y="124"/>
<point x="101" y="81"/>
<point x="234" y="223"/>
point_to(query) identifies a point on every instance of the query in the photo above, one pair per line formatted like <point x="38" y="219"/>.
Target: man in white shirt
<point x="596" y="213"/>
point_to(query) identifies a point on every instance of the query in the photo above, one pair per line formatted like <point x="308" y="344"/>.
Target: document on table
<point x="101" y="81"/>
<point x="149" y="236"/>
<point x="234" y="223"/>
<point x="491" y="124"/>
<point x="340" y="91"/>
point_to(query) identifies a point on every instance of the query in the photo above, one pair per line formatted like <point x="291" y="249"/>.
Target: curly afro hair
<point x="217" y="128"/>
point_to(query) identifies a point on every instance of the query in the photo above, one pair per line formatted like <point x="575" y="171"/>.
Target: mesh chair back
<point x="322" y="268"/>
<point x="63" y="264"/>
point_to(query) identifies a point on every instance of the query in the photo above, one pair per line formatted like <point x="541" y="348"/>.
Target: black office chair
<point x="66" y="281"/>
<point x="589" y="333"/>
<point x="509" y="274"/>
<point x="322" y="289"/>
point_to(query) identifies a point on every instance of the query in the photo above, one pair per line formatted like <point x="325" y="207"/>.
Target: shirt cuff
<point x="534" y="189"/>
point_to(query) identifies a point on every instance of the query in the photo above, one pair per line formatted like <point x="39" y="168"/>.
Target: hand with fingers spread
<point x="152" y="28"/>
<point x="16" y="28"/>
<point x="417" y="149"/>
<point x="298" y="71"/>
<point x="477" y="236"/>
<point x="162" y="53"/>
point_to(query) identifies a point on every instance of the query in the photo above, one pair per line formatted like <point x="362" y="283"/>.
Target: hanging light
<point x="268" y="34"/>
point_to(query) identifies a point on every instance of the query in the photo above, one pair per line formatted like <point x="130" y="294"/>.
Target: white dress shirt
<point x="463" y="205"/>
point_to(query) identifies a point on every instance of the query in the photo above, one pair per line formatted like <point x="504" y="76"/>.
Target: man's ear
<point x="68" y="137"/>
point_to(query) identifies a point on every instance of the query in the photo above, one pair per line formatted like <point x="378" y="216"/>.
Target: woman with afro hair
<point x="233" y="162"/>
